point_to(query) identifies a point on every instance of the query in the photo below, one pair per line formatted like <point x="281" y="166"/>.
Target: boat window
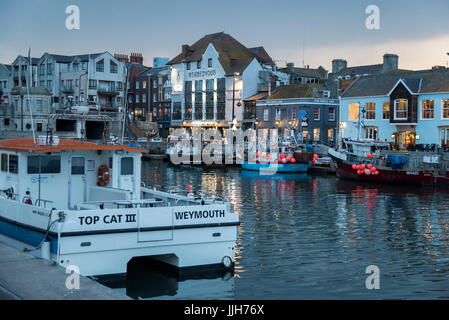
<point x="4" y="162"/>
<point x="78" y="165"/>
<point x="49" y="164"/>
<point x="13" y="164"/>
<point x="126" y="167"/>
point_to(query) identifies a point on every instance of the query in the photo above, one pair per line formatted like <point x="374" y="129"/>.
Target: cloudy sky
<point x="295" y="30"/>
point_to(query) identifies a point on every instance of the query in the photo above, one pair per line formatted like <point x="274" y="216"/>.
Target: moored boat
<point x="375" y="161"/>
<point x="86" y="203"/>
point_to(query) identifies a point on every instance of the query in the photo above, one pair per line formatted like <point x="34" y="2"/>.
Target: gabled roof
<point x="319" y="72"/>
<point x="291" y="91"/>
<point x="425" y="81"/>
<point x="68" y="59"/>
<point x="257" y="96"/>
<point x="262" y="55"/>
<point x="233" y="56"/>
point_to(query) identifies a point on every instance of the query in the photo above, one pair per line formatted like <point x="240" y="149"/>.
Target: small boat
<point x="376" y="161"/>
<point x="292" y="159"/>
<point x="83" y="204"/>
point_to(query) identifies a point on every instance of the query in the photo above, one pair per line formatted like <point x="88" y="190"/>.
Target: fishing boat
<point x="292" y="159"/>
<point x="83" y="204"/>
<point x="376" y="161"/>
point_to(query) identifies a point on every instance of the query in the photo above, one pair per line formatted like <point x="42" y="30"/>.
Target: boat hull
<point x="276" y="167"/>
<point x="344" y="170"/>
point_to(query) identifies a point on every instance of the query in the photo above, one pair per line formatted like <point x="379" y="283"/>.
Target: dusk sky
<point x="418" y="31"/>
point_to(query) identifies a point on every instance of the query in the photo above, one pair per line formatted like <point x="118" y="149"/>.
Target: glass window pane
<point x="126" y="167"/>
<point x="4" y="162"/>
<point x="33" y="165"/>
<point x="78" y="165"/>
<point x="13" y="164"/>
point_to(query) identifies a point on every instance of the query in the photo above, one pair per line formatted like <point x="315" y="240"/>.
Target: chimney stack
<point x="290" y="66"/>
<point x="338" y="65"/>
<point x="390" y="62"/>
<point x="121" y="57"/>
<point x="136" y="57"/>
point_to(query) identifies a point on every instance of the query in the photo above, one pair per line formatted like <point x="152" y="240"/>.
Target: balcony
<point x="108" y="90"/>
<point x="67" y="89"/>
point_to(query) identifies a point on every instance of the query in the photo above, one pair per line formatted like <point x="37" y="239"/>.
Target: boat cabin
<point x="65" y="173"/>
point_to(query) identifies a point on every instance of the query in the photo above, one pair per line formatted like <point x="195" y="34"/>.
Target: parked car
<point x="156" y="140"/>
<point x="140" y="140"/>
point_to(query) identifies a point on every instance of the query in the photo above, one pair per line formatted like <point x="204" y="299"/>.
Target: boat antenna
<point x="28" y="94"/>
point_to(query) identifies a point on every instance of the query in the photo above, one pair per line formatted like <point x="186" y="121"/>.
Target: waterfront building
<point x="5" y="83"/>
<point x="211" y="78"/>
<point x="20" y="72"/>
<point x="305" y="74"/>
<point x="17" y="115"/>
<point x="89" y="79"/>
<point x="160" y="99"/>
<point x="305" y="111"/>
<point x="135" y="87"/>
<point x="409" y="108"/>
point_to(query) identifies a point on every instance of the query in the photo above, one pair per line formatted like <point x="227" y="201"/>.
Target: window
<point x="330" y="134"/>
<point x="113" y="67"/>
<point x="126" y="167"/>
<point x="445" y="108"/>
<point x="76" y="83"/>
<point x="316" y="113"/>
<point x="221" y="98"/>
<point x="144" y="84"/>
<point x="99" y="66"/>
<point x="188" y="66"/>
<point x="4" y="162"/>
<point x="154" y="97"/>
<point x="137" y="85"/>
<point x="78" y="165"/>
<point x="49" y="84"/>
<point x="209" y="105"/>
<point x="293" y="113"/>
<point x="144" y="98"/>
<point x="427" y="109"/>
<point x="331" y="114"/>
<point x="209" y="85"/>
<point x="353" y="111"/>
<point x="316" y="134"/>
<point x="209" y="62"/>
<point x="198" y="64"/>
<point x="92" y="84"/>
<point x="13" y="164"/>
<point x="137" y="98"/>
<point x="50" y="69"/>
<point x="370" y="108"/>
<point x="177" y="113"/>
<point x="154" y="84"/>
<point x="130" y="99"/>
<point x="265" y="114"/>
<point x="386" y="110"/>
<point x="119" y="86"/>
<point x="278" y="114"/>
<point x="400" y="109"/>
<point x="49" y="164"/>
<point x="39" y="107"/>
<point x="371" y="133"/>
<point x="84" y="65"/>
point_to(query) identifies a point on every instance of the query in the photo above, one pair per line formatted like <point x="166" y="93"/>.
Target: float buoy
<point x="103" y="175"/>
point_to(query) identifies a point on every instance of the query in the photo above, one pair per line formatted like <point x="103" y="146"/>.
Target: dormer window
<point x="209" y="63"/>
<point x="400" y="109"/>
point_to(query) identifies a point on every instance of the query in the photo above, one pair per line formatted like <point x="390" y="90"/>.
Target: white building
<point x="210" y="79"/>
<point x="95" y="79"/>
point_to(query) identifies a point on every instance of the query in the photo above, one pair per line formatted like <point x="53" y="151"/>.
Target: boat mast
<point x="28" y="95"/>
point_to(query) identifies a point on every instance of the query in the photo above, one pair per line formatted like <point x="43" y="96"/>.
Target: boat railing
<point x="180" y="195"/>
<point x="39" y="201"/>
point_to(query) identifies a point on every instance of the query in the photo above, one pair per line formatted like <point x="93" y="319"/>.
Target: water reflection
<point x="304" y="237"/>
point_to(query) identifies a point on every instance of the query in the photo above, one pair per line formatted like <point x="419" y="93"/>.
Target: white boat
<point x="85" y="202"/>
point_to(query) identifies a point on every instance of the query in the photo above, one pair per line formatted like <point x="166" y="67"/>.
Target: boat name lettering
<point x="199" y="214"/>
<point x="413" y="173"/>
<point x="45" y="214"/>
<point x="114" y="218"/>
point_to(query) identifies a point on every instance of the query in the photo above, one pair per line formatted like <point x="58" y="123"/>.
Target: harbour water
<point x="310" y="237"/>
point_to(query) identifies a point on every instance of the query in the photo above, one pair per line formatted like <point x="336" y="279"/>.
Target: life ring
<point x="27" y="201"/>
<point x="103" y="175"/>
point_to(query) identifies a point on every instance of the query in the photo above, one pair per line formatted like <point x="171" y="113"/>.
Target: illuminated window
<point x="427" y="109"/>
<point x="330" y="134"/>
<point x="331" y="114"/>
<point x="386" y="110"/>
<point x="316" y="134"/>
<point x="370" y="108"/>
<point x="400" y="109"/>
<point x="353" y="111"/>
<point x="445" y="108"/>
<point x="371" y="133"/>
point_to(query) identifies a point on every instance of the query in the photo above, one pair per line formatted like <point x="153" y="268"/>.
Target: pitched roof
<point x="262" y="55"/>
<point x="68" y="59"/>
<point x="303" y="90"/>
<point x="319" y="72"/>
<point x="233" y="56"/>
<point x="257" y="96"/>
<point x="425" y="81"/>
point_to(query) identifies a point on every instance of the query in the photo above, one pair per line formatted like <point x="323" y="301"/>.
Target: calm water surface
<point x="312" y="237"/>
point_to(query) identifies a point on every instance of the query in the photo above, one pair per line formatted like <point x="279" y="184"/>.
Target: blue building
<point x="411" y="109"/>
